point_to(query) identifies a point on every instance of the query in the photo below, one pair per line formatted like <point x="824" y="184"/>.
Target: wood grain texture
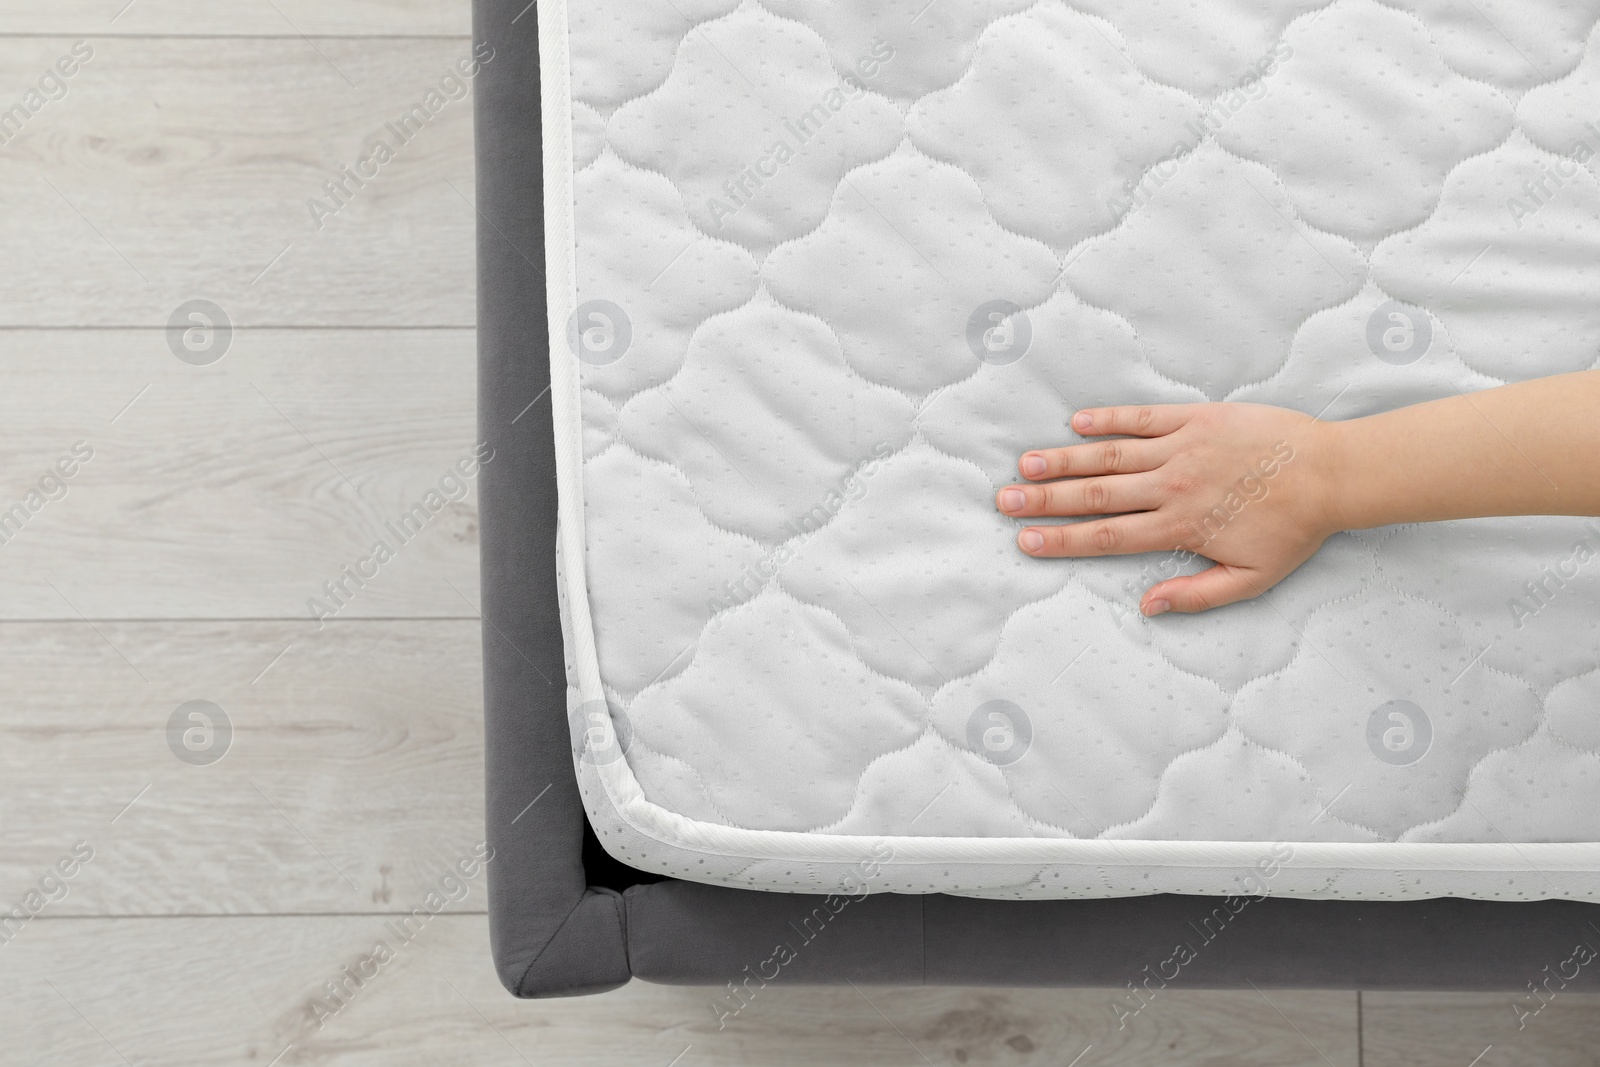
<point x="352" y="783"/>
<point x="175" y="169"/>
<point x="236" y="490"/>
<point x="1482" y="1029"/>
<point x="241" y="991"/>
<point x="201" y="17"/>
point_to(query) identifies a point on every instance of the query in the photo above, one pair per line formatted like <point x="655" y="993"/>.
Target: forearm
<point x="1531" y="448"/>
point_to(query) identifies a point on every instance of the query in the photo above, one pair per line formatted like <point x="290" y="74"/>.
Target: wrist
<point x="1335" y="482"/>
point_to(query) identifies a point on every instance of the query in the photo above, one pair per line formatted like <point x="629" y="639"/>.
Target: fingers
<point x="1098" y="457"/>
<point x="1211" y="588"/>
<point x="1087" y="496"/>
<point x="1149" y="420"/>
<point x="1120" y="536"/>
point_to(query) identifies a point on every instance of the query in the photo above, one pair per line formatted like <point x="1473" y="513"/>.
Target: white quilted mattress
<point x="820" y="271"/>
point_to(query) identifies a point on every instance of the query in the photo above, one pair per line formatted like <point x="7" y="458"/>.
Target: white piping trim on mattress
<point x="560" y="254"/>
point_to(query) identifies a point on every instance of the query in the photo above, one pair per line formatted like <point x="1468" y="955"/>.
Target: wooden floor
<point x="211" y="901"/>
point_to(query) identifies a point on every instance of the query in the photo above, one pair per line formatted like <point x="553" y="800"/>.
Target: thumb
<point x="1211" y="588"/>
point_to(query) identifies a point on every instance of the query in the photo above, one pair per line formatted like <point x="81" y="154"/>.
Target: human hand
<point x="1241" y="484"/>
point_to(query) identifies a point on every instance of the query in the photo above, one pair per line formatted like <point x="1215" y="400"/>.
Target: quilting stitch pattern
<point x="803" y="599"/>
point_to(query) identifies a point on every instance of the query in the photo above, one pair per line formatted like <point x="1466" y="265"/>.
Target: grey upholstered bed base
<point x="566" y="919"/>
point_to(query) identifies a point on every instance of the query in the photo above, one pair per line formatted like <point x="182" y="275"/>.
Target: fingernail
<point x="1031" y="540"/>
<point x="1012" y="499"/>
<point x="1157" y="607"/>
<point x="1082" y="420"/>
<point x="1033" y="466"/>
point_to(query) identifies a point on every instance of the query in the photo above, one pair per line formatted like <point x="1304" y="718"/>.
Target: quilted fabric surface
<point x="830" y="268"/>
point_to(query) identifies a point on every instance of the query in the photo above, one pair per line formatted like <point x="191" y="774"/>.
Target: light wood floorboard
<point x="177" y="169"/>
<point x="353" y="777"/>
<point x="237" y="490"/>
<point x="173" y="18"/>
<point x="193" y="992"/>
<point x="1555" y="1029"/>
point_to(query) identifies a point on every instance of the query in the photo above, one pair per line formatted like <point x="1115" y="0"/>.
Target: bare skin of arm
<point x="1257" y="489"/>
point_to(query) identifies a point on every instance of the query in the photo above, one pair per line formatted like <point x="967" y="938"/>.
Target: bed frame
<point x="567" y="919"/>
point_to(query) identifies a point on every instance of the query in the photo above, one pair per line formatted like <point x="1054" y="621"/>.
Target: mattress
<point x="819" y="273"/>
